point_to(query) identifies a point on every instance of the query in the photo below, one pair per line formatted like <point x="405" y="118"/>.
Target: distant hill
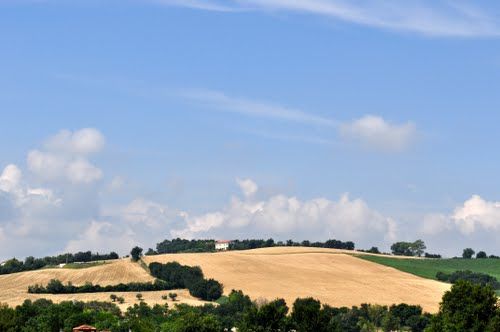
<point x="335" y="277"/>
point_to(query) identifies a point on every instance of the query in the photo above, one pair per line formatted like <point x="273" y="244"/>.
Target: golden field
<point x="334" y="277"/>
<point x="13" y="287"/>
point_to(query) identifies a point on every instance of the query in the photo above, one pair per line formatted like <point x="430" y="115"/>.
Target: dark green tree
<point x="481" y="254"/>
<point x="468" y="253"/>
<point x="136" y="253"/>
<point x="466" y="307"/>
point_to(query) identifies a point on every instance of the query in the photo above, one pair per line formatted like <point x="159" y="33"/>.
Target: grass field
<point x="427" y="268"/>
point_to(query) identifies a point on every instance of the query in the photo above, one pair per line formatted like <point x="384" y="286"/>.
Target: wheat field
<point x="334" y="277"/>
<point x="13" y="287"/>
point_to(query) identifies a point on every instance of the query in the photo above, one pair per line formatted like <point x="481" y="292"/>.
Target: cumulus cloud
<point x="102" y="236"/>
<point x="374" y="132"/>
<point x="65" y="156"/>
<point x="474" y="215"/>
<point x="283" y="216"/>
<point x="247" y="186"/>
<point x="81" y="142"/>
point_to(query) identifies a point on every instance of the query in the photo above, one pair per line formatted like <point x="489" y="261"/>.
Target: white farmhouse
<point x="222" y="245"/>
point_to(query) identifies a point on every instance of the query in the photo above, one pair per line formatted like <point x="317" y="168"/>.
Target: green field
<point x="427" y="268"/>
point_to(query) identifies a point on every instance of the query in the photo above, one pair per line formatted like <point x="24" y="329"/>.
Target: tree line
<point x="466" y="307"/>
<point x="208" y="245"/>
<point x="474" y="277"/>
<point x="31" y="263"/>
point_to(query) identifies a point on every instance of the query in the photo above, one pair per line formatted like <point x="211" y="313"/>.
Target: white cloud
<point x="220" y="101"/>
<point x="65" y="156"/>
<point x="474" y="215"/>
<point x="477" y="213"/>
<point x="81" y="142"/>
<point x="102" y="236"/>
<point x="146" y="213"/>
<point x="432" y="18"/>
<point x="375" y="132"/>
<point x="284" y="216"/>
<point x="81" y="171"/>
<point x="10" y="178"/>
<point x="247" y="186"/>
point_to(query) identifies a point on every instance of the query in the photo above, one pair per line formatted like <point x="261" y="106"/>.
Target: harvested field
<point x="333" y="276"/>
<point x="13" y="287"/>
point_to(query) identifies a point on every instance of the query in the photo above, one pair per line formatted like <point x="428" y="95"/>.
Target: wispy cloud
<point x="222" y="102"/>
<point x="369" y="131"/>
<point x="432" y="18"/>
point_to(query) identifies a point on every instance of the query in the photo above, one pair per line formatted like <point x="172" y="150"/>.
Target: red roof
<point x="223" y="241"/>
<point x="84" y="328"/>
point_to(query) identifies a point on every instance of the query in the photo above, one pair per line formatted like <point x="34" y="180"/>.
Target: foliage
<point x="468" y="253"/>
<point x="474" y="277"/>
<point x="408" y="248"/>
<point x="188" y="277"/>
<point x="481" y="254"/>
<point x="31" y="263"/>
<point x="466" y="307"/>
<point x="181" y="245"/>
<point x="55" y="286"/>
<point x="136" y="253"/>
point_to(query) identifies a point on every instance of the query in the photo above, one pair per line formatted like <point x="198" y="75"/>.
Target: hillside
<point x="427" y="268"/>
<point x="335" y="277"/>
<point x="13" y="287"/>
<point x="332" y="276"/>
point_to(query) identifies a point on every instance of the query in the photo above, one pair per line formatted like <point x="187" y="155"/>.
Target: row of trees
<point x="469" y="253"/>
<point x="466" y="307"/>
<point x="55" y="286"/>
<point x="181" y="245"/>
<point x="188" y="277"/>
<point x="474" y="277"/>
<point x="31" y="263"/>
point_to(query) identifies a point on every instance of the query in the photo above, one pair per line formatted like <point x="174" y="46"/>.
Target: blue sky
<point x="126" y="122"/>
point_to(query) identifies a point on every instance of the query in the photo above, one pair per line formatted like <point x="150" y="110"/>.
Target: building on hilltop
<point x="222" y="244"/>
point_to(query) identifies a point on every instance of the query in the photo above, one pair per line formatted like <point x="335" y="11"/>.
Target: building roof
<point x="84" y="328"/>
<point x="223" y="241"/>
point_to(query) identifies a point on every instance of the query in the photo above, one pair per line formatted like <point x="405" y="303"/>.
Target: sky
<point x="128" y="122"/>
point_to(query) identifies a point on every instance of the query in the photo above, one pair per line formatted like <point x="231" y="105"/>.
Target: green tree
<point x="306" y="315"/>
<point x="173" y="296"/>
<point x="136" y="253"/>
<point x="418" y="247"/>
<point x="466" y="307"/>
<point x="468" y="253"/>
<point x="481" y="254"/>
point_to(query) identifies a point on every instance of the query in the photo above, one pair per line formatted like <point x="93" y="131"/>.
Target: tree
<point x="139" y="296"/>
<point x="466" y="307"/>
<point x="481" y="254"/>
<point x="136" y="253"/>
<point x="113" y="297"/>
<point x="120" y="299"/>
<point x="306" y="315"/>
<point x="408" y="248"/>
<point x="418" y="247"/>
<point x="172" y="296"/>
<point x="468" y="253"/>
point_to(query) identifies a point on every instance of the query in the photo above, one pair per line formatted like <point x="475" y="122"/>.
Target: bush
<point x="481" y="254"/>
<point x="476" y="278"/>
